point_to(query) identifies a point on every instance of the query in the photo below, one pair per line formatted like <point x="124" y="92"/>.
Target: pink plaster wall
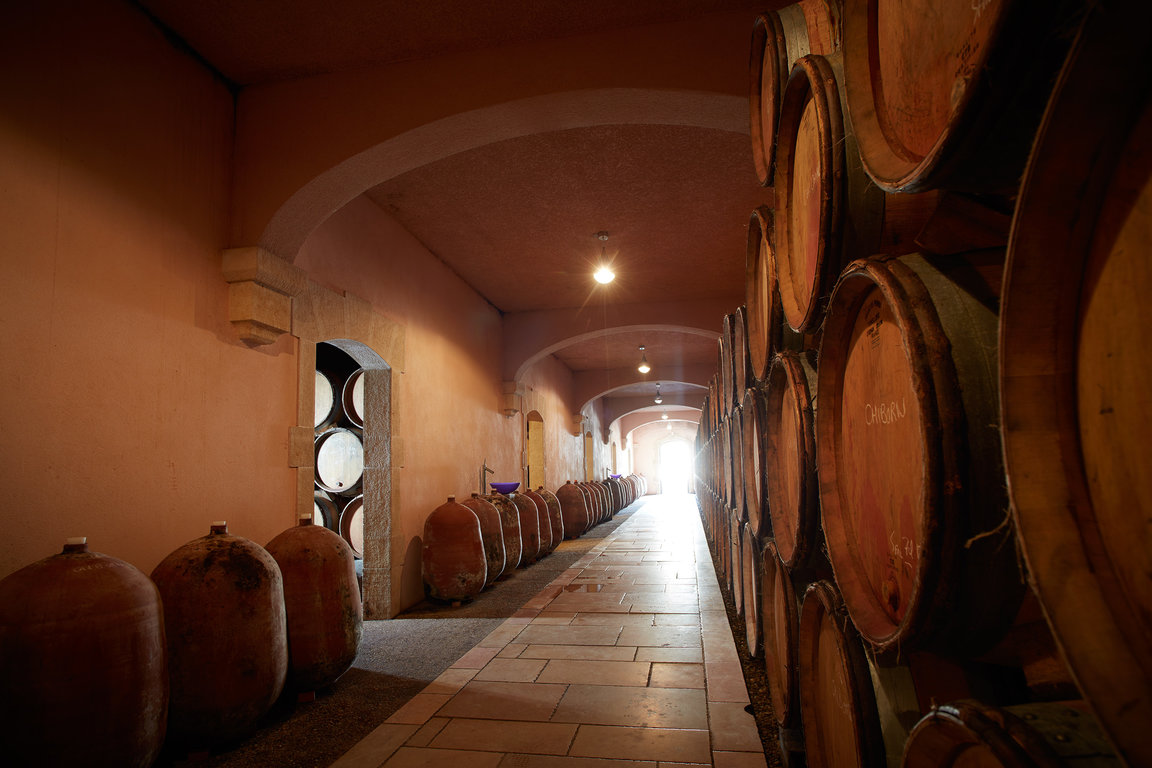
<point x="132" y="414"/>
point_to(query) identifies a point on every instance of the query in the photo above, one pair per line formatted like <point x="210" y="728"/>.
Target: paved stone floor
<point x="625" y="659"/>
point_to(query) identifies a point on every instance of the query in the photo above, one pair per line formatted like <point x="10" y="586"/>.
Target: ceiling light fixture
<point x="664" y="415"/>
<point x="658" y="399"/>
<point x="643" y="367"/>
<point x="603" y="275"/>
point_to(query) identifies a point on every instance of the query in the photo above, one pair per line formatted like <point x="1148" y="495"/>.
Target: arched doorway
<point x="371" y="402"/>
<point x="589" y="458"/>
<point x="535" y="472"/>
<point x="675" y="466"/>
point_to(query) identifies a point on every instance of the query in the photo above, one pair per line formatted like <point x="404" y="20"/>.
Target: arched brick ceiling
<point x="517" y="219"/>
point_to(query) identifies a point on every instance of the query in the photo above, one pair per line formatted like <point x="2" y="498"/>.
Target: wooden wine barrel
<point x="838" y="707"/>
<point x="352" y="398"/>
<point x="83" y="663"/>
<point x="948" y="93"/>
<point x="741" y="362"/>
<point x="827" y="211"/>
<point x="510" y="528"/>
<point x="968" y="733"/>
<point x="754" y="459"/>
<point x="911" y="486"/>
<point x="339" y="461"/>
<point x="779" y="38"/>
<point x="726" y="478"/>
<point x="780" y="616"/>
<point x="325" y="403"/>
<point x="736" y="570"/>
<point x="750" y="567"/>
<point x="325" y="512"/>
<point x="790" y="465"/>
<point x="762" y="293"/>
<point x="224" y="617"/>
<point x="723" y="545"/>
<point x="724" y="354"/>
<point x="453" y="562"/>
<point x="1074" y="371"/>
<point x="352" y="525"/>
<point x="491" y="533"/>
<point x="323" y="611"/>
<point x="736" y="437"/>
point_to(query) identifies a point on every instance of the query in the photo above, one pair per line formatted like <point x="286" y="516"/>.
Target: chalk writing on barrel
<point x="885" y="413"/>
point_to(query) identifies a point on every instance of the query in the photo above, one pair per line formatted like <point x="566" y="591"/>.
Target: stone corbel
<point x="260" y="291"/>
<point x="512" y="399"/>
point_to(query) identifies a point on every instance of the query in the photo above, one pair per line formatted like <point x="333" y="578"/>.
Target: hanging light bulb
<point x="658" y="399"/>
<point x="643" y="367"/>
<point x="665" y="416"/>
<point x="603" y="275"/>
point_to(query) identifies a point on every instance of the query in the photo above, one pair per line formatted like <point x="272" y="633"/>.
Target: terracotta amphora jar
<point x="574" y="509"/>
<point x="491" y="532"/>
<point x="224" y="617"/>
<point x="454" y="564"/>
<point x="82" y="663"/>
<point x="322" y="601"/>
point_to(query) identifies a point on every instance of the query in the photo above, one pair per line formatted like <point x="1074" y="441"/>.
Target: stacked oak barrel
<point x="920" y="458"/>
<point x="470" y="545"/>
<point x="339" y="445"/>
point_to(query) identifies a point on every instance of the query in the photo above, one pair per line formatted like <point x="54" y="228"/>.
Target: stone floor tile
<point x="376" y="747"/>
<point x="476" y="658"/>
<point x="511" y="651"/>
<point x="504" y="701"/>
<point x="620" y="620"/>
<point x="418" y="709"/>
<point x="501" y="636"/>
<point x="661" y="637"/>
<point x="674" y="655"/>
<point x="426" y="757"/>
<point x="676" y="619"/>
<point x="554" y="617"/>
<point x="590" y="652"/>
<point x="450" y="680"/>
<point x="733" y="728"/>
<point x="739" y="760"/>
<point x="427" y="732"/>
<point x="506" y="736"/>
<point x="546" y="635"/>
<point x="511" y="670"/>
<point x="726" y="682"/>
<point x="641" y="743"/>
<point x="646" y="707"/>
<point x="668" y="675"/>
<point x="633" y="673"/>
<point x="555" y="761"/>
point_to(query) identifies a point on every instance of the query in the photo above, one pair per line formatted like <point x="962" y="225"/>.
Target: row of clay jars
<point x="197" y="654"/>
<point x="244" y="621"/>
<point x="499" y="532"/>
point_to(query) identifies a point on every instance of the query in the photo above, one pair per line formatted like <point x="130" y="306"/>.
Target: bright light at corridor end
<point x="604" y="275"/>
